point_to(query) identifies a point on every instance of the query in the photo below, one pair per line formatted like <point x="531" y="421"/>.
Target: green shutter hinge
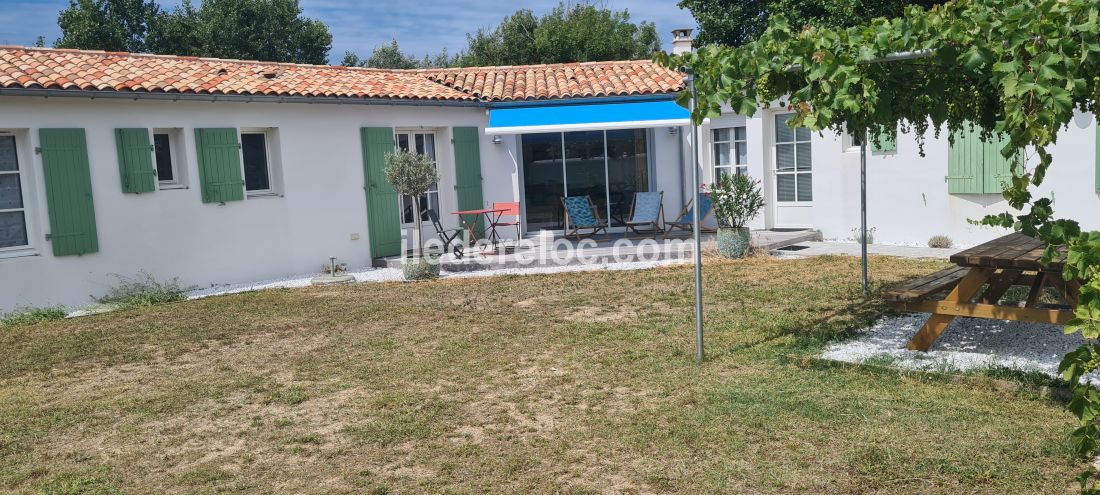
<point x="153" y="148"/>
<point x="38" y="150"/>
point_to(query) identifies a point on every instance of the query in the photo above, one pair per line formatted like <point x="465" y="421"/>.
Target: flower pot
<point x="420" y="268"/>
<point x="733" y="242"/>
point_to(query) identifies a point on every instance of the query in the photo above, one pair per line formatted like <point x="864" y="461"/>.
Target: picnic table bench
<point x="977" y="282"/>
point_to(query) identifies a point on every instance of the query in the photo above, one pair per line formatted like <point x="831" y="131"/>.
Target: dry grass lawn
<point x="571" y="383"/>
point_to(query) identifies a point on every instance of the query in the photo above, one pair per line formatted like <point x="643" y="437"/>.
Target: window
<point x="852" y="141"/>
<point x="793" y="166"/>
<point x="168" y="157"/>
<point x="731" y="153"/>
<point x="257" y="162"/>
<point x="424" y="144"/>
<point x="13" y="214"/>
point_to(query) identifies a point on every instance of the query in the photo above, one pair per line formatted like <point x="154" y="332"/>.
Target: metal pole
<point x="863" y="209"/>
<point x="699" y="354"/>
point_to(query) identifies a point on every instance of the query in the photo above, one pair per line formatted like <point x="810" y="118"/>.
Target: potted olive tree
<point x="737" y="201"/>
<point x="413" y="174"/>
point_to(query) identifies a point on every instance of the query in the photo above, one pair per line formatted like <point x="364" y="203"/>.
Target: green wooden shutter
<point x="965" y="163"/>
<point x="884" y="144"/>
<point x="998" y="169"/>
<point x="383" y="216"/>
<point x="68" y="181"/>
<point x="467" y="146"/>
<point x="219" y="155"/>
<point x="135" y="160"/>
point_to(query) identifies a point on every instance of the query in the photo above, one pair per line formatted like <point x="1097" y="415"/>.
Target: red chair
<point x="509" y="210"/>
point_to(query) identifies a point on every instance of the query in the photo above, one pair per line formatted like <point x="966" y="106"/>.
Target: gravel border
<point x="967" y="344"/>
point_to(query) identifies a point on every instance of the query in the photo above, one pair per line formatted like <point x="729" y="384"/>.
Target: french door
<point x="607" y="166"/>
<point x="793" y="174"/>
<point x="424" y="144"/>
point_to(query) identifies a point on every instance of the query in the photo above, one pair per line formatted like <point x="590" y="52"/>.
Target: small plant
<point x="28" y="315"/>
<point x="856" y="237"/>
<point x="411" y="174"/>
<point x="941" y="242"/>
<point x="144" y="290"/>
<point x="737" y="200"/>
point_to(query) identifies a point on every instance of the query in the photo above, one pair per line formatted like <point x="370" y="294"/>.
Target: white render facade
<point x="314" y="204"/>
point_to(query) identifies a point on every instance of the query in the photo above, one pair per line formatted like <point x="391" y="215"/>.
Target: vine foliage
<point x="1019" y="68"/>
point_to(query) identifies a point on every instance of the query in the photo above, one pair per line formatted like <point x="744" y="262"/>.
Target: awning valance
<point x="586" y="117"/>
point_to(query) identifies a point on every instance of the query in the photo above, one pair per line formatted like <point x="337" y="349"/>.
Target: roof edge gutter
<point x="327" y="100"/>
<point x="582" y="101"/>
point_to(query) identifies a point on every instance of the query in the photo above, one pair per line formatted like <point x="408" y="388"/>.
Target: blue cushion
<point x="647" y="207"/>
<point x="580" y="211"/>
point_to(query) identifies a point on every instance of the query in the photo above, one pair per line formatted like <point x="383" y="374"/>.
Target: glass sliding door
<point x="627" y="170"/>
<point x="585" y="168"/>
<point x="608" y="166"/>
<point x="543" y="180"/>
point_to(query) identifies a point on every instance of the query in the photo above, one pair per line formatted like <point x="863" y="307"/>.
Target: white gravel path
<point x="394" y="275"/>
<point x="967" y="344"/>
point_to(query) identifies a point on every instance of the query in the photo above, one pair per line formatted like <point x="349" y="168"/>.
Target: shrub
<point x="940" y="241"/>
<point x="856" y="237"/>
<point x="28" y="315"/>
<point x="144" y="290"/>
<point x="737" y="200"/>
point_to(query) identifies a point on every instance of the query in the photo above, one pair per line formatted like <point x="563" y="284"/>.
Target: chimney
<point x="681" y="40"/>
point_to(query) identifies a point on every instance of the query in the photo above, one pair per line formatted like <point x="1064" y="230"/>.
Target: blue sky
<point x="420" y="26"/>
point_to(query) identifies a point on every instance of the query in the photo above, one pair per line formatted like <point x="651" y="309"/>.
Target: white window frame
<point x="851" y="142"/>
<point x="272" y="177"/>
<point x="412" y="133"/>
<point x="733" y="145"/>
<point x="794" y="171"/>
<point x="26" y="189"/>
<point x="175" y="152"/>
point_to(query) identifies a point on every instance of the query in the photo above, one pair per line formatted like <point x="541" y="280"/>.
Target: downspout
<point x="680" y="140"/>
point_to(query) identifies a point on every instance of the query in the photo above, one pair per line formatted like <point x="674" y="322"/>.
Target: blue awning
<point x="585" y="117"/>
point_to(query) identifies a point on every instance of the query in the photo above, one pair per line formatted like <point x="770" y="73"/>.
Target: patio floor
<point x="549" y="249"/>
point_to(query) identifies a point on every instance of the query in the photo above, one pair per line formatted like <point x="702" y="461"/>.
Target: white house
<point x="225" y="171"/>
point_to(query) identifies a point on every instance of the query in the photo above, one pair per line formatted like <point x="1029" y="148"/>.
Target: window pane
<point x="8" y="160"/>
<point x="804" y="156"/>
<point x="854" y="137"/>
<point x="785" y="187"/>
<point x="720" y="172"/>
<point x="783" y="133"/>
<point x="802" y="134"/>
<point x="627" y="170"/>
<point x="163" y="152"/>
<point x="784" y="157"/>
<point x="403" y="142"/>
<point x="13" y="229"/>
<point x="11" y="197"/>
<point x="254" y="150"/>
<point x="739" y="133"/>
<point x="429" y="146"/>
<point x="543" y="182"/>
<point x="721" y="134"/>
<point x="742" y="170"/>
<point x="742" y="153"/>
<point x="805" y="187"/>
<point x="721" y="153"/>
<point x="585" y="174"/>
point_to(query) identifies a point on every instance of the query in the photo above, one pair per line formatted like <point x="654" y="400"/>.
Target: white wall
<point x="907" y="196"/>
<point x="171" y="233"/>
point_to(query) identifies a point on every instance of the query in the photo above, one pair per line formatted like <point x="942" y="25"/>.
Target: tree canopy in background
<point x="736" y="22"/>
<point x="580" y="32"/>
<point x="269" y="30"/>
<point x="390" y="56"/>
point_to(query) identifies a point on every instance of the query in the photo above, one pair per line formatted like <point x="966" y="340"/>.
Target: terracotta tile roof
<point x="578" y="80"/>
<point x="109" y="71"/>
<point x="44" y="68"/>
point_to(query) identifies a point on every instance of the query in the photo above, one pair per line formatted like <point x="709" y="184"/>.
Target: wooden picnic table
<point x="980" y="277"/>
